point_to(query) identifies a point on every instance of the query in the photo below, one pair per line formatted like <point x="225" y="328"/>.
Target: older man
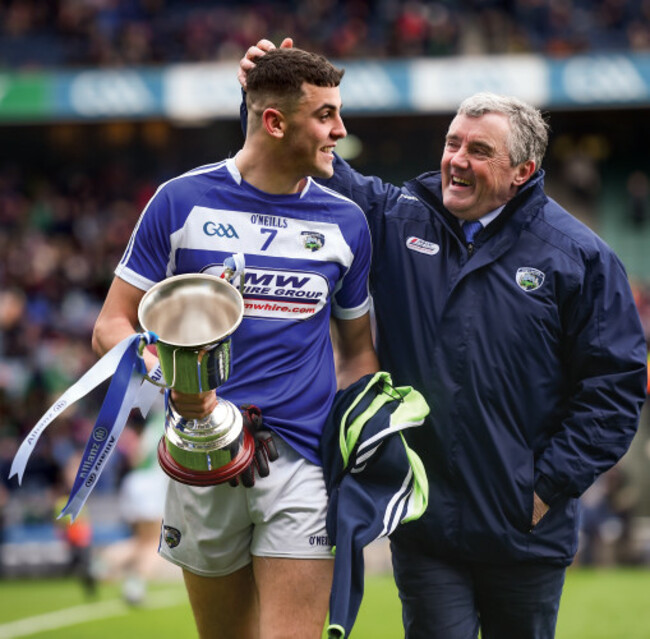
<point x="518" y="325"/>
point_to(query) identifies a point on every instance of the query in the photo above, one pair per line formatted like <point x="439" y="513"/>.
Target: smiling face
<point x="477" y="176"/>
<point x="313" y="129"/>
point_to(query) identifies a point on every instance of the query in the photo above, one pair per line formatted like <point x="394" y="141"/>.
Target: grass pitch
<point x="597" y="604"/>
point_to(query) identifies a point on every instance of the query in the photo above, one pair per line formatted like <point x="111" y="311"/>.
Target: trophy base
<point x="208" y="477"/>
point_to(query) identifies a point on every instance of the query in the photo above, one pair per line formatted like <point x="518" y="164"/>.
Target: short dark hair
<point x="277" y="77"/>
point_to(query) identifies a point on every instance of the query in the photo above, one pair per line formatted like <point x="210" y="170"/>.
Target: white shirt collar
<point x="488" y="217"/>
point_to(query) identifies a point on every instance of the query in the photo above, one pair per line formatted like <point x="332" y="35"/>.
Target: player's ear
<point x="274" y="122"/>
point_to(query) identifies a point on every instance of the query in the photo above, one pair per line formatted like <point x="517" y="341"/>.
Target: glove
<point x="265" y="449"/>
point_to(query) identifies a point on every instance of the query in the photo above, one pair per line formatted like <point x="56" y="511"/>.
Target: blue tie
<point x="471" y="229"/>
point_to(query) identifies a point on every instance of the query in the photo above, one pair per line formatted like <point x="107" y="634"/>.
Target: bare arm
<point x="118" y="319"/>
<point x="354" y="352"/>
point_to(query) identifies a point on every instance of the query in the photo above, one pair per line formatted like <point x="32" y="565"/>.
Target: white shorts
<point x="215" y="530"/>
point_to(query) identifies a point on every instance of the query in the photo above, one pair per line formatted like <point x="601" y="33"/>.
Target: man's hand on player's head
<point x="257" y="51"/>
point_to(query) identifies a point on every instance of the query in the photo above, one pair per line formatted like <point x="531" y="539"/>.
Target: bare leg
<point x="294" y="596"/>
<point x="146" y="560"/>
<point x="224" y="607"/>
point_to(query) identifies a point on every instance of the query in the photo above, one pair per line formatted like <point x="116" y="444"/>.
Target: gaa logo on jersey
<point x="312" y="240"/>
<point x="529" y="278"/>
<point x="220" y="230"/>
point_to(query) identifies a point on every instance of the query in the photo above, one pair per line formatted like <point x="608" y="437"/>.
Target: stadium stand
<point x="46" y="33"/>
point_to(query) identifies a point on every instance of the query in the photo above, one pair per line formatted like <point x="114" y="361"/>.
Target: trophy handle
<point x="141" y="346"/>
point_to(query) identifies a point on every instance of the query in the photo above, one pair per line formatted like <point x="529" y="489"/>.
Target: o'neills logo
<point x="422" y="246"/>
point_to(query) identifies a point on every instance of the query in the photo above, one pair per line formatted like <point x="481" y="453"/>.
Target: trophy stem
<point x="193" y="316"/>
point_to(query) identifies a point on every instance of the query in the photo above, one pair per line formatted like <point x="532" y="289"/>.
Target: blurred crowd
<point x="62" y="233"/>
<point x="60" y="239"/>
<point x="54" y="33"/>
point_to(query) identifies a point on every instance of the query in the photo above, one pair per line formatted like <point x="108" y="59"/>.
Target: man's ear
<point x="274" y="122"/>
<point x="524" y="171"/>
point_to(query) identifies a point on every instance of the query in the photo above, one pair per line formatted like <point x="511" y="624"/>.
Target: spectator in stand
<point x="608" y="507"/>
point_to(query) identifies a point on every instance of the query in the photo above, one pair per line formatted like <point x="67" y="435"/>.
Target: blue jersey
<point x="307" y="256"/>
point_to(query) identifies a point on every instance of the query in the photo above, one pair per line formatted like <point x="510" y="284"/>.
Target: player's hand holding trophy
<point x="193" y="316"/>
<point x="189" y="318"/>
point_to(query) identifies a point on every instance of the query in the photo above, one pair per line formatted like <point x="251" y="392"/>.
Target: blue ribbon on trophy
<point x="198" y="452"/>
<point x="124" y="362"/>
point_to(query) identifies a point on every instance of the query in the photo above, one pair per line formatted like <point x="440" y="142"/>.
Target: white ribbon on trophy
<point x="131" y="387"/>
<point x="126" y="367"/>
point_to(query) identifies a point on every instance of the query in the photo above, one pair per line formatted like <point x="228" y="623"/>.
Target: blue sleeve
<point x="605" y="353"/>
<point x="147" y="257"/>
<point x="373" y="195"/>
<point x="351" y="299"/>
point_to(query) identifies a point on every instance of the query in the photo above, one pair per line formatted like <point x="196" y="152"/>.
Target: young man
<point x="518" y="325"/>
<point x="256" y="561"/>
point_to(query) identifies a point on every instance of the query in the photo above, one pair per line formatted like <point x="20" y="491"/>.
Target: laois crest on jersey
<point x="307" y="255"/>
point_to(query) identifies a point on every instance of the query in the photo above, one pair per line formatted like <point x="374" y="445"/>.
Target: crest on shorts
<point x="312" y="240"/>
<point x="529" y="278"/>
<point x="172" y="536"/>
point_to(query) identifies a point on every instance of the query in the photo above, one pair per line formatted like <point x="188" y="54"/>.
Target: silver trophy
<point x="193" y="316"/>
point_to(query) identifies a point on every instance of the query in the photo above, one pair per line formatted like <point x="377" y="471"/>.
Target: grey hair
<point x="528" y="137"/>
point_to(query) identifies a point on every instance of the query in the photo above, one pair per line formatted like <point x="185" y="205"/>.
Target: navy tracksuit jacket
<point x="529" y="350"/>
<point x="374" y="481"/>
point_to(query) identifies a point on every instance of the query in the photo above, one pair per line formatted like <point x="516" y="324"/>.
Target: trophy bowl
<point x="193" y="316"/>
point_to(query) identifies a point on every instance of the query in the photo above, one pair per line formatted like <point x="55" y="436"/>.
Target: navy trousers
<point x="452" y="600"/>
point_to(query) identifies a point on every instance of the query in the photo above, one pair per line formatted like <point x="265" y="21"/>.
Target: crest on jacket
<point x="529" y="278"/>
